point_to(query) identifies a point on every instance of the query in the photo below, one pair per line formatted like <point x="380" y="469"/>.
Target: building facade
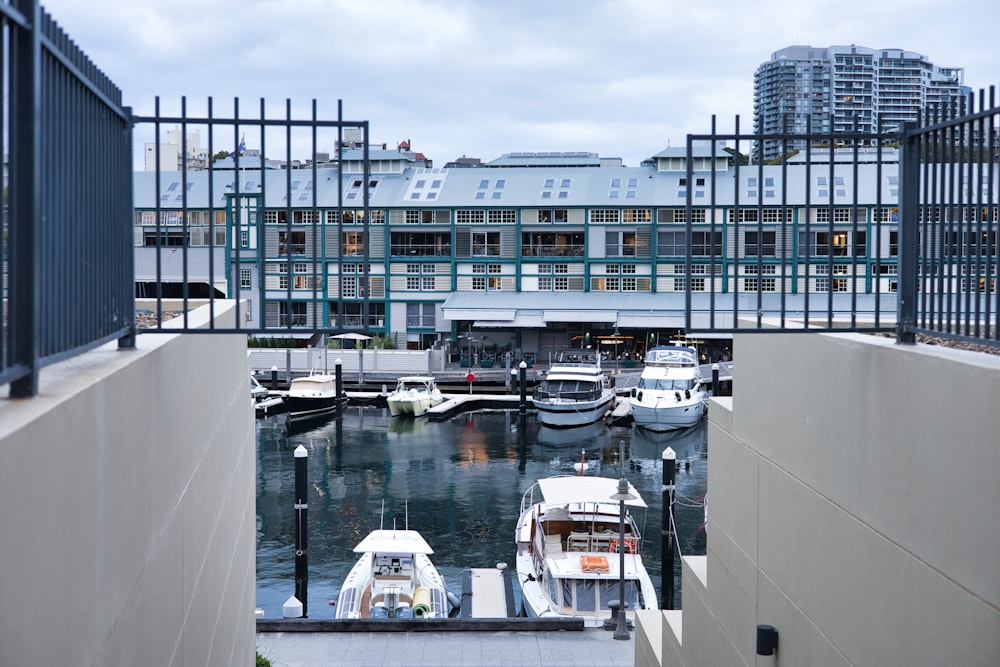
<point x="531" y="251"/>
<point x="847" y="89"/>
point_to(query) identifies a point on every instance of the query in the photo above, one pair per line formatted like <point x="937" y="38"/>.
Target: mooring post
<point x="667" y="532"/>
<point x="522" y="369"/>
<point x="715" y="379"/>
<point x="274" y="378"/>
<point x="302" y="527"/>
<point x="339" y="386"/>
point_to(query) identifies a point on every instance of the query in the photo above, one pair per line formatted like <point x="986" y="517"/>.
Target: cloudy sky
<point x="623" y="78"/>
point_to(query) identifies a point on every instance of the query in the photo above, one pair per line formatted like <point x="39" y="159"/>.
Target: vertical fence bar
<point x="25" y="188"/>
<point x="909" y="194"/>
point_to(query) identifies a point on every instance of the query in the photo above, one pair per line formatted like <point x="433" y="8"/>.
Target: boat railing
<point x="567" y="395"/>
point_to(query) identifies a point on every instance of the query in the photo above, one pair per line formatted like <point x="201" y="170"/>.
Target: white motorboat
<point x="568" y="562"/>
<point x="671" y="393"/>
<point x="312" y="395"/>
<point x="575" y="391"/>
<point x="393" y="578"/>
<point x="414" y="395"/>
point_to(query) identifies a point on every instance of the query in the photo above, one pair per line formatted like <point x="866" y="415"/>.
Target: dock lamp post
<point x="621" y="630"/>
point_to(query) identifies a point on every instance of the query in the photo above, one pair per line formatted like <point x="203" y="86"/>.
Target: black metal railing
<point x="892" y="232"/>
<point x="67" y="242"/>
<point x="259" y="203"/>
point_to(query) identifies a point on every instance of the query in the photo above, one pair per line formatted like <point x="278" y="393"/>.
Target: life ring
<point x="629" y="545"/>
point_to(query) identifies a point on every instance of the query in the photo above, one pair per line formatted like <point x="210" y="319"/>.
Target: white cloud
<point x="619" y="77"/>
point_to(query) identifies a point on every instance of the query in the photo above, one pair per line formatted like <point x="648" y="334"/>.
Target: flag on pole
<point x="242" y="147"/>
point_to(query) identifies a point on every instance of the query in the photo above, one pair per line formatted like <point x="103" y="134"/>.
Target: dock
<point x="487" y="593"/>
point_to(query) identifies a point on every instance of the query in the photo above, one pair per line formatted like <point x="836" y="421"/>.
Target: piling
<point x="339" y="386"/>
<point x="667" y="532"/>
<point x="715" y="379"/>
<point x="523" y="379"/>
<point x="302" y="527"/>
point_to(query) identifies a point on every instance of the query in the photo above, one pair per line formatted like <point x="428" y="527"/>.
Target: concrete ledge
<point x="420" y="625"/>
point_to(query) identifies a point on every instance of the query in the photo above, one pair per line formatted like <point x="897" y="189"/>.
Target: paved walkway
<point x="589" y="648"/>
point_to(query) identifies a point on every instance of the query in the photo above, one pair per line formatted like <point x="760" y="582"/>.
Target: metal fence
<point x="67" y="242"/>
<point x="235" y="185"/>
<point x="891" y="231"/>
<point x="894" y="231"/>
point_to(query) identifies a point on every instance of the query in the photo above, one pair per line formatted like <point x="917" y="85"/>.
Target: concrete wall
<point x="852" y="499"/>
<point x="127" y="507"/>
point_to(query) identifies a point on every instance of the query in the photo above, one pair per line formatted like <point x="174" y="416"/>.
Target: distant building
<point x="844" y="89"/>
<point x="173" y="153"/>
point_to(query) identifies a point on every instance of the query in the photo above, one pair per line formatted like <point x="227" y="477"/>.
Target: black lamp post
<point x="621" y="630"/>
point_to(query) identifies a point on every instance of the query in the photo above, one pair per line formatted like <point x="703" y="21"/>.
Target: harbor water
<point x="458" y="482"/>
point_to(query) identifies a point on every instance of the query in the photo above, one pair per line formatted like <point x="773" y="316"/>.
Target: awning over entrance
<point x="525" y="310"/>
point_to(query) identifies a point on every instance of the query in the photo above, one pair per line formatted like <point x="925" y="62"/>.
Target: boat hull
<point x="305" y="407"/>
<point x="413" y="406"/>
<point x="665" y="413"/>
<point x="559" y="413"/>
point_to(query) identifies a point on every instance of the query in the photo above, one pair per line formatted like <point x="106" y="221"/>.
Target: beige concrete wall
<point x="852" y="493"/>
<point x="127" y="507"/>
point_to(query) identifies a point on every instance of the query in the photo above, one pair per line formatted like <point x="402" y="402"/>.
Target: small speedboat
<point x="671" y="393"/>
<point x="393" y="578"/>
<point x="568" y="561"/>
<point x="414" y="395"/>
<point x="312" y="395"/>
<point x="575" y="391"/>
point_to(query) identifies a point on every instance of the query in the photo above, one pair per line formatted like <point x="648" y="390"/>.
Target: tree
<point x="221" y="155"/>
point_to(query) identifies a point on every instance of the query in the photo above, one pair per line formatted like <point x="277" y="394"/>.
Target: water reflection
<point x="458" y="482"/>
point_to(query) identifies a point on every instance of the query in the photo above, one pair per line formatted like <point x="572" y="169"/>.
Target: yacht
<point x="568" y="563"/>
<point x="575" y="391"/>
<point x="671" y="394"/>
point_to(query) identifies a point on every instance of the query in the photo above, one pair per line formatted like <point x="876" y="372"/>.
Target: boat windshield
<point x="663" y="384"/>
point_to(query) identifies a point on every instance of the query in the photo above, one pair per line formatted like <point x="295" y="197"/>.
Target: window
<point x="467" y="217"/>
<point x="291" y="243"/>
<point x="552" y="244"/>
<point x="605" y="215"/>
<point x="620" y="244"/>
<point x="675" y="244"/>
<point x="413" y="283"/>
<point x="479" y="284"/>
<point x="348" y="287"/>
<point x="759" y="243"/>
<point x="485" y="244"/>
<point x="353" y="244"/>
<point x="822" y="244"/>
<point x="420" y="244"/>
<point x="245" y="277"/>
<point x="292" y="314"/>
<point x="553" y="215"/>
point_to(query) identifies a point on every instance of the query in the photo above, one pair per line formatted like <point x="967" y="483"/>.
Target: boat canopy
<point x="394" y="541"/>
<point x="570" y="489"/>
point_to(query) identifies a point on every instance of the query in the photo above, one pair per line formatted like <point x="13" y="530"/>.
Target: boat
<point x="312" y="395"/>
<point x="414" y="395"/>
<point x="393" y="578"/>
<point x="671" y="393"/>
<point x="568" y="562"/>
<point x="257" y="391"/>
<point x="575" y="391"/>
